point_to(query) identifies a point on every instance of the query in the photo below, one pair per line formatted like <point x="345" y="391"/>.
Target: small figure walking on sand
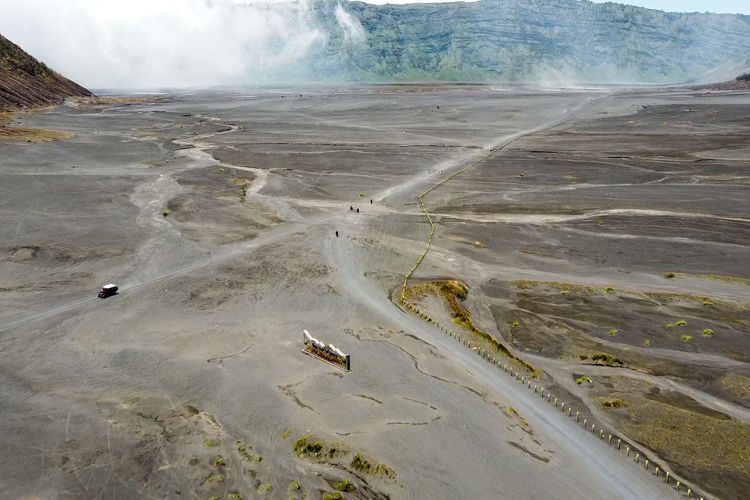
<point x="337" y="234"/>
<point x="357" y="210"/>
<point x="370" y="202"/>
<point x="351" y="208"/>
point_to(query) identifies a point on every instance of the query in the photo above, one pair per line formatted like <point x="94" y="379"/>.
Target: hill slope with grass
<point x="26" y="82"/>
<point x="526" y="40"/>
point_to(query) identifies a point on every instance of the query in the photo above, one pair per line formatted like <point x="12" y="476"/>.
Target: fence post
<point x="667" y="480"/>
<point x="577" y="413"/>
<point x="627" y="450"/>
<point x="619" y="441"/>
<point x="609" y="439"/>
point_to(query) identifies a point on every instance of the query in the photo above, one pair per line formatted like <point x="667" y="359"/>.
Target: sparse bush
<point x="344" y="485"/>
<point x="295" y="485"/>
<point x="252" y="457"/>
<point x="583" y="357"/>
<point x="516" y="324"/>
<point x="613" y="331"/>
<point x="580" y="380"/>
<point x="166" y="212"/>
<point x="669" y="326"/>
<point x="234" y="495"/>
<point x="219" y="462"/>
<point x="211" y="443"/>
<point x="332" y="495"/>
<point x="612" y="403"/>
<point x="682" y="322"/>
<point x="287" y="434"/>
<point x="265" y="488"/>
<point x="686" y="338"/>
<point x="366" y="465"/>
<point x="605" y="358"/>
<point x="214" y="478"/>
<point x="670" y="276"/>
<point x="647" y="343"/>
<point x="610" y="289"/>
<point x="708" y="332"/>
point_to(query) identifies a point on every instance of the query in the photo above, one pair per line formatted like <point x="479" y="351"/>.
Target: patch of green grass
<point x="516" y="324"/>
<point x="454" y="293"/>
<point x="287" y="434"/>
<point x="214" y="478"/>
<point x="735" y="280"/>
<point x="331" y="495"/>
<point x="234" y="495"/>
<point x="343" y="485"/>
<point x="583" y="379"/>
<point x="708" y="332"/>
<point x="681" y="322"/>
<point x="294" y="486"/>
<point x="686" y="338"/>
<point x="669" y="326"/>
<point x="613" y="331"/>
<point x="583" y="357"/>
<point x="219" y="462"/>
<point x="647" y="343"/>
<point x="211" y="443"/>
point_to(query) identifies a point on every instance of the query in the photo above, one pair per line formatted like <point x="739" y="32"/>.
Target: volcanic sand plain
<point x="600" y="234"/>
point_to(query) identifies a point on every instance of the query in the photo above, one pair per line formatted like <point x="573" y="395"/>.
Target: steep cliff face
<point x="528" y="40"/>
<point x="26" y="82"/>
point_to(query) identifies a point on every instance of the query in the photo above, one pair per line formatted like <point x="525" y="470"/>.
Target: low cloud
<point x="132" y="44"/>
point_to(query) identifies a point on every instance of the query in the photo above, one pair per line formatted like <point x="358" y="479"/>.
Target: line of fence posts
<point x="540" y="389"/>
